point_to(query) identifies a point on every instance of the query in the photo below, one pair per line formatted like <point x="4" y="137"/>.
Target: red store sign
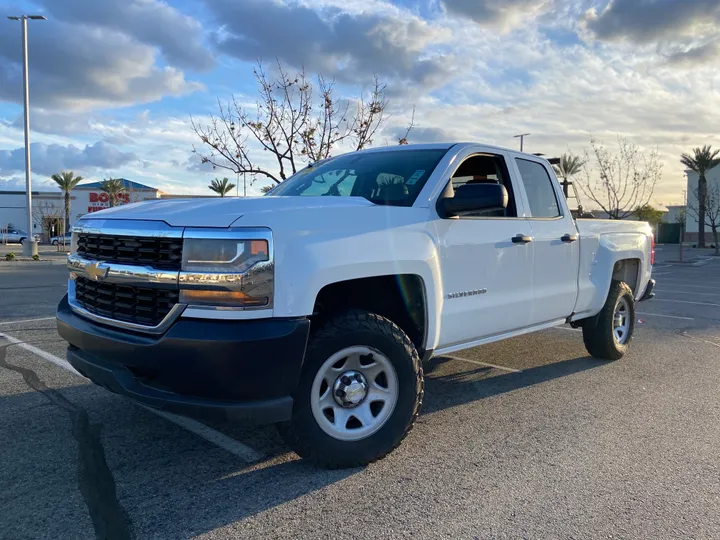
<point x="100" y="201"/>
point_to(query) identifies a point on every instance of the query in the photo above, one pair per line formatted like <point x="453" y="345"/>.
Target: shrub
<point x="10" y="256"/>
<point x="36" y="257"/>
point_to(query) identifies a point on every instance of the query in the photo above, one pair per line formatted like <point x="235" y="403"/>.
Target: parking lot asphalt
<point x="527" y="437"/>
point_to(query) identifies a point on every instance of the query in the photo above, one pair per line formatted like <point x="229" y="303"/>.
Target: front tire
<point x="608" y="334"/>
<point x="359" y="394"/>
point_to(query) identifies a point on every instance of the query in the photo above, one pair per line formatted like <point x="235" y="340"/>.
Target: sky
<point x="114" y="84"/>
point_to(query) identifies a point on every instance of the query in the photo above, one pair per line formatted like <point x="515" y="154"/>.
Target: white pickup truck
<point x="315" y="307"/>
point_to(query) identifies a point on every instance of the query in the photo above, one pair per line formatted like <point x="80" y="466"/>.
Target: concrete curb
<point x="30" y="262"/>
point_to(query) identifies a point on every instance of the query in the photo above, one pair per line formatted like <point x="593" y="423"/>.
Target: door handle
<point x="568" y="238"/>
<point x="522" y="239"/>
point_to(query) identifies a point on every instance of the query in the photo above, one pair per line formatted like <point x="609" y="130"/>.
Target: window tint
<point x="539" y="189"/>
<point x="486" y="169"/>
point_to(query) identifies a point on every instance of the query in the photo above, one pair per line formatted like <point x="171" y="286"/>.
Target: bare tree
<point x="620" y="182"/>
<point x="292" y="122"/>
<point x="49" y="217"/>
<point x="404" y="139"/>
<point x="710" y="211"/>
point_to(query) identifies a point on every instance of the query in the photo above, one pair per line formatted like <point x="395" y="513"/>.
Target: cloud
<point x="48" y="159"/>
<point x="58" y="123"/>
<point x="421" y="135"/>
<point x="503" y="13"/>
<point x="119" y="140"/>
<point x="695" y="55"/>
<point x="177" y="36"/>
<point x="17" y="183"/>
<point x="649" y="21"/>
<point x="79" y="67"/>
<point x="349" y="46"/>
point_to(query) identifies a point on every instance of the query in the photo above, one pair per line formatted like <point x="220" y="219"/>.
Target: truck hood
<point x="220" y="211"/>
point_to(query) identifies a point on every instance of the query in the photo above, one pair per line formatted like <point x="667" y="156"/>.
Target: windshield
<point x="392" y="178"/>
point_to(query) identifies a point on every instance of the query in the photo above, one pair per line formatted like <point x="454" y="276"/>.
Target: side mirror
<point x="474" y="198"/>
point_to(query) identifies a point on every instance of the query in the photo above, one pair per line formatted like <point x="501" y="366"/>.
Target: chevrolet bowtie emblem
<point x="97" y="271"/>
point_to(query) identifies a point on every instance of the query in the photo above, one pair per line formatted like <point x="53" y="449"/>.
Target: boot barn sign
<point x="100" y="200"/>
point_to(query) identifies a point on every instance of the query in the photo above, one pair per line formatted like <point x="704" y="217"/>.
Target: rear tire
<point x="375" y="352"/>
<point x="608" y="334"/>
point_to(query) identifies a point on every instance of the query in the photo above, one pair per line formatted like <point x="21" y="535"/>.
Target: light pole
<point x="522" y="139"/>
<point x="30" y="245"/>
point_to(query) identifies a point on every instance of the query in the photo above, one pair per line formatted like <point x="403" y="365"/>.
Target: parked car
<point x="315" y="308"/>
<point x="63" y="238"/>
<point x="14" y="236"/>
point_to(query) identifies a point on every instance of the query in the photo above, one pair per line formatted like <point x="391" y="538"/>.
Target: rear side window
<point x="538" y="186"/>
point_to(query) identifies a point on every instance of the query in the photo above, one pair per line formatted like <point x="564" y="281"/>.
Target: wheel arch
<point x="402" y="298"/>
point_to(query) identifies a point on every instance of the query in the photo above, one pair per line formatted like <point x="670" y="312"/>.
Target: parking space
<point x="523" y="438"/>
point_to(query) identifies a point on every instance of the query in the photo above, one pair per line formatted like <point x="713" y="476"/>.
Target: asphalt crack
<point x="95" y="479"/>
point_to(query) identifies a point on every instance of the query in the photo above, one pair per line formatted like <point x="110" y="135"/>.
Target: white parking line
<point x="683" y="283"/>
<point x="686" y="302"/>
<point x="696" y="293"/>
<point x="699" y="340"/>
<point x="27" y="320"/>
<point x="240" y="450"/>
<point x="485" y="364"/>
<point x="60" y="362"/>
<point x="646" y="314"/>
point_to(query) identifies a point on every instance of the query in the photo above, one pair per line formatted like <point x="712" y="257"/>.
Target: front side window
<point x="392" y="177"/>
<point x="539" y="188"/>
<point x="486" y="169"/>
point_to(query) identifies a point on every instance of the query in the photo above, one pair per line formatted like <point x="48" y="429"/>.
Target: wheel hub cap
<point x="350" y="389"/>
<point x="621" y="322"/>
<point x="354" y="393"/>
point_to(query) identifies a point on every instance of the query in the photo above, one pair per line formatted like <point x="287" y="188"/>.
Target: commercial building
<point x="49" y="206"/>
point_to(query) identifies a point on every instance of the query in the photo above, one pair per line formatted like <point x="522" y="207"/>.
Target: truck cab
<point x="315" y="306"/>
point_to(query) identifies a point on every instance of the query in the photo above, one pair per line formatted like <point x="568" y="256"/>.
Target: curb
<point x="27" y="262"/>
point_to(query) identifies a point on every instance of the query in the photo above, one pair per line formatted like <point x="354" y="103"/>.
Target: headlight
<point x="227" y="269"/>
<point x="223" y="255"/>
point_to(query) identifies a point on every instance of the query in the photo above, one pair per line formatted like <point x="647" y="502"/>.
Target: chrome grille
<point x="137" y="305"/>
<point x="161" y="253"/>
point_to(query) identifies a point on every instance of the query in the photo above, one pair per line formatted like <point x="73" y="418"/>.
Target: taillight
<point x="652" y="250"/>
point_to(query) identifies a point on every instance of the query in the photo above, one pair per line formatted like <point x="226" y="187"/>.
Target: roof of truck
<point x="448" y="146"/>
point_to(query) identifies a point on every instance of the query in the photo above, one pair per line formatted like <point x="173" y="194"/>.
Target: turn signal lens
<point x="220" y="298"/>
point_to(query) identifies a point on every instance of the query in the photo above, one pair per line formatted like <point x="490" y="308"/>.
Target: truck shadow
<point x="141" y="476"/>
<point x="443" y="391"/>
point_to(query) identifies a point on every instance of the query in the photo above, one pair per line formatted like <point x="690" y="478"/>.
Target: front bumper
<point x="211" y="369"/>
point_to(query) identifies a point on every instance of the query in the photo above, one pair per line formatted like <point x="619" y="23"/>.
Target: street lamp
<point x="522" y="139"/>
<point x="29" y="247"/>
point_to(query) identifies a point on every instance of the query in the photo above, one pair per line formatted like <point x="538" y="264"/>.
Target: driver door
<point x="486" y="274"/>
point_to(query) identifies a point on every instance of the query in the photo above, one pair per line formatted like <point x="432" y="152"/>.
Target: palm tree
<point x="221" y="187"/>
<point x="568" y="167"/>
<point x="702" y="160"/>
<point x="66" y="181"/>
<point x="113" y="187"/>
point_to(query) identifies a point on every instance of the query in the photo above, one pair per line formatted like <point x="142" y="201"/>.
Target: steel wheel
<point x="621" y="321"/>
<point x="354" y="393"/>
